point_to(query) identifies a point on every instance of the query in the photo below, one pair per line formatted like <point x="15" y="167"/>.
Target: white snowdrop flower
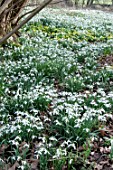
<point x="67" y="131"/>
<point x="46" y="119"/>
<point x="33" y="136"/>
<point x="18" y="138"/>
<point x="65" y="143"/>
<point x="19" y="131"/>
<point x="57" y="122"/>
<point x="12" y="129"/>
<point x="93" y="139"/>
<point x="15" y="142"/>
<point x="72" y="145"/>
<point x="22" y="167"/>
<point x="85" y="107"/>
<point x="39" y="145"/>
<point x="86" y="129"/>
<point x="29" y="130"/>
<point x="26" y="146"/>
<point x="100" y="111"/>
<point x="50" y="144"/>
<point x="109" y="115"/>
<point x="69" y="111"/>
<point x="39" y="126"/>
<point x="7" y="90"/>
<point x="25" y="102"/>
<point x="101" y="91"/>
<point x="1" y="160"/>
<point x="18" y="127"/>
<point x="94" y="103"/>
<point x="69" y="65"/>
<point x="102" y="118"/>
<point x="60" y="107"/>
<point x="61" y="152"/>
<point x="66" y="119"/>
<point x="58" y="153"/>
<point x="6" y="131"/>
<point x="52" y="138"/>
<point x="44" y="139"/>
<point x="110" y="94"/>
<point x="70" y="161"/>
<point x="14" y="158"/>
<point x="111" y="140"/>
<point x="55" y="111"/>
<point x="19" y="158"/>
<point x="19" y="119"/>
<point x="25" y="122"/>
<point x="43" y="150"/>
<point x="108" y="105"/>
<point x="77" y="125"/>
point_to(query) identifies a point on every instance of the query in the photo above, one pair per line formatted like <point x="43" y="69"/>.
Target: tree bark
<point x="9" y="13"/>
<point x="76" y="3"/>
<point x="9" y="17"/>
<point x="68" y="3"/>
<point x="89" y="2"/>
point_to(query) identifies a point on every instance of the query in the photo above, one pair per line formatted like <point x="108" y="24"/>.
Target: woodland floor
<point x="56" y="93"/>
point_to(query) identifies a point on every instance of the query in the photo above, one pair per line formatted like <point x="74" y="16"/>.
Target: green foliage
<point x="53" y="89"/>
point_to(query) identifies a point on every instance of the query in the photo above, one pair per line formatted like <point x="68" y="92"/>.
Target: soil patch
<point x="106" y="60"/>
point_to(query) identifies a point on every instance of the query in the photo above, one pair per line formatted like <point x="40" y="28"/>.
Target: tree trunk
<point x="89" y="2"/>
<point x="83" y="3"/>
<point x="9" y="17"/>
<point x="9" y="13"/>
<point x="68" y="3"/>
<point x="76" y="3"/>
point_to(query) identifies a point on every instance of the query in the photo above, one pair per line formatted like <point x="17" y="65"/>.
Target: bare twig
<point x="4" y="6"/>
<point x="53" y="3"/>
<point x="25" y="14"/>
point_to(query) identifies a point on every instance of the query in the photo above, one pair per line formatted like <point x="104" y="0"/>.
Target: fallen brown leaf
<point x="98" y="167"/>
<point x="34" y="164"/>
<point x="102" y="133"/>
<point x="16" y="165"/>
<point x="2" y="148"/>
<point x="64" y="167"/>
<point x="104" y="162"/>
<point x="21" y="146"/>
